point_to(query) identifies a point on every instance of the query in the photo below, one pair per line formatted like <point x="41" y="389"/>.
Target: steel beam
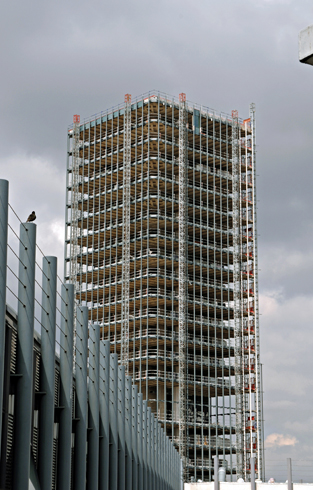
<point x="93" y="421"/>
<point x="47" y="375"/>
<point x="144" y="444"/>
<point x="140" y="444"/>
<point x="121" y="427"/>
<point x="81" y="398"/>
<point x="104" y="443"/>
<point x="4" y="207"/>
<point x="113" y="468"/>
<point x="25" y="356"/>
<point x="66" y="387"/>
<point x="128" y="433"/>
<point x="134" y="436"/>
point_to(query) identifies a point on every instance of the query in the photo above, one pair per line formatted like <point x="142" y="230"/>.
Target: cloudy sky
<point x="64" y="57"/>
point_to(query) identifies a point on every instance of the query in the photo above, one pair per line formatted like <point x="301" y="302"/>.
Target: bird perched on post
<point x="31" y="217"/>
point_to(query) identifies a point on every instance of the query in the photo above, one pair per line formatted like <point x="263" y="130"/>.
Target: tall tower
<point x="163" y="204"/>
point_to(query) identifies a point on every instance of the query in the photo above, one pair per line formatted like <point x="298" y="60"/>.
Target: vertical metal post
<point x="289" y="474"/>
<point x="252" y="463"/>
<point x="151" y="450"/>
<point x="66" y="387"/>
<point x="48" y="325"/>
<point x="25" y="356"/>
<point x="144" y="439"/>
<point x="75" y="195"/>
<point x="113" y="467"/>
<point x="156" y="455"/>
<point x="104" y="442"/>
<point x="259" y="391"/>
<point x="4" y="206"/>
<point x="121" y="427"/>
<point x="182" y="278"/>
<point x="140" y="442"/>
<point x="93" y="422"/>
<point x="126" y="233"/>
<point x="128" y="432"/>
<point x="166" y="453"/>
<point x="148" y="451"/>
<point x="81" y="398"/>
<point x="5" y="411"/>
<point x="239" y="392"/>
<point x="134" y="436"/>
<point x="160" y="454"/>
<point x="216" y="473"/>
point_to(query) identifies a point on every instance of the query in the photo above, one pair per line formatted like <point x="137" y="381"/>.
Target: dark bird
<point x="31" y="217"/>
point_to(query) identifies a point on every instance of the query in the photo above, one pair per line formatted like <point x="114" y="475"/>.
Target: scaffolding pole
<point x="74" y="204"/>
<point x="237" y="295"/>
<point x="258" y="396"/>
<point x="182" y="281"/>
<point x="126" y="233"/>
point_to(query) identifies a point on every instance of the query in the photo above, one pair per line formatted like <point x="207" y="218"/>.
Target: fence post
<point x="113" y="467"/>
<point x="134" y="436"/>
<point x="144" y="441"/>
<point x="252" y="464"/>
<point x="104" y="443"/>
<point x="152" y="459"/>
<point x="25" y="356"/>
<point x="140" y="443"/>
<point x="81" y="398"/>
<point x="149" y="473"/>
<point x="47" y="376"/>
<point x="66" y="387"/>
<point x="128" y="432"/>
<point x="289" y="474"/>
<point x="4" y="206"/>
<point x="160" y="454"/>
<point x="93" y="421"/>
<point x="216" y="473"/>
<point x="121" y="426"/>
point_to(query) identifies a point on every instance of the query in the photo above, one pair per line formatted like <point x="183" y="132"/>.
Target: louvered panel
<point x="56" y="387"/>
<point x="72" y="468"/>
<point x="35" y="444"/>
<point x="13" y="352"/>
<point x="9" y="455"/>
<point x="37" y="372"/>
<point x="54" y="463"/>
<point x="73" y="403"/>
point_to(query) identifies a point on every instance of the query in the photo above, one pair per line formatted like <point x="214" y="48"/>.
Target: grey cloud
<point x="63" y="58"/>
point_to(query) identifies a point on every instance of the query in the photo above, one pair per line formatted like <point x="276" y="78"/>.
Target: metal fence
<point x="71" y="420"/>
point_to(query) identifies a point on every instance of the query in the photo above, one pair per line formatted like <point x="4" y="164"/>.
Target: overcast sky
<point x="66" y="57"/>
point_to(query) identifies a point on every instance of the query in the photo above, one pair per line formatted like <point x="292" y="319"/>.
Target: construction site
<point x="161" y="245"/>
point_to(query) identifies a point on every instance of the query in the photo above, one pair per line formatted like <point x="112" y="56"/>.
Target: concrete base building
<point x="161" y="244"/>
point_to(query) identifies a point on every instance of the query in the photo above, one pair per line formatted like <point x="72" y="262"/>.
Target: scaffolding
<point x="74" y="199"/>
<point x="167" y="264"/>
<point x="182" y="280"/>
<point x="126" y="232"/>
<point x="239" y="392"/>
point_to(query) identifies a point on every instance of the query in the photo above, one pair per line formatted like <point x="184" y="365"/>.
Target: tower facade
<point x="161" y="245"/>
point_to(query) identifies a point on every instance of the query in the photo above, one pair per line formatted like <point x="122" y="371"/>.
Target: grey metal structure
<point x="191" y="339"/>
<point x="63" y="429"/>
<point x="48" y="330"/>
<point x="4" y="200"/>
<point x="25" y="357"/>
